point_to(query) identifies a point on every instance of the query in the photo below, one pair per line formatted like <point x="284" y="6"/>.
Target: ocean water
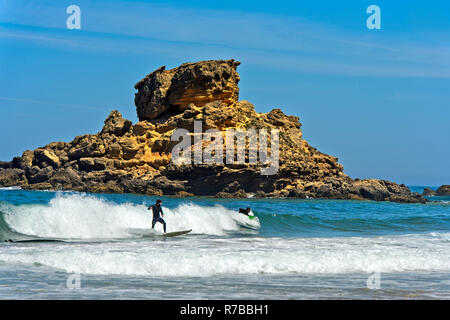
<point x="296" y="249"/>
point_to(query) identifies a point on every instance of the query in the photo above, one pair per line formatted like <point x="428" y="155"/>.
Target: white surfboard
<point x="176" y="233"/>
<point x="154" y="234"/>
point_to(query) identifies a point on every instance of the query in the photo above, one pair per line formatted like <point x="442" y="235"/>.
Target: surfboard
<point x="148" y="233"/>
<point x="176" y="233"/>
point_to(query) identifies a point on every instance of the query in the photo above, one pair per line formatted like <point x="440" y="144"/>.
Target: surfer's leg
<point x="163" y="223"/>
<point x="153" y="223"/>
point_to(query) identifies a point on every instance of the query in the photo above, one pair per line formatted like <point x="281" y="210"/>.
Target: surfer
<point x="157" y="210"/>
<point x="247" y="211"/>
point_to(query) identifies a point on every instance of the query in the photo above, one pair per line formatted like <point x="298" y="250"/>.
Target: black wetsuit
<point x="157" y="210"/>
<point x="244" y="211"/>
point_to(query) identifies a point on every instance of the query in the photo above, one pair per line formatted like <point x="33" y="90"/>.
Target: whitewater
<point x="298" y="249"/>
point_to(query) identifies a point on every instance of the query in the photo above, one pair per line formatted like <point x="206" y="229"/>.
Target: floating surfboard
<point x="142" y="232"/>
<point x="176" y="233"/>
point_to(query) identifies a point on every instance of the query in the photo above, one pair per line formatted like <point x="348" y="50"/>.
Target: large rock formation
<point x="171" y="91"/>
<point x="137" y="158"/>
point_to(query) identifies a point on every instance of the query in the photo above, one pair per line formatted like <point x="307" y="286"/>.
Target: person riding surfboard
<point x="157" y="210"/>
<point x="247" y="211"/>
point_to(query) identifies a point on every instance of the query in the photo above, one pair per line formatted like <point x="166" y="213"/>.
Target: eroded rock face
<point x="12" y="177"/>
<point x="199" y="83"/>
<point x="115" y="124"/>
<point x="124" y="157"/>
<point x="46" y="157"/>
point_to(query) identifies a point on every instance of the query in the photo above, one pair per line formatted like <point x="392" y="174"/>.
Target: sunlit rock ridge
<point x="136" y="158"/>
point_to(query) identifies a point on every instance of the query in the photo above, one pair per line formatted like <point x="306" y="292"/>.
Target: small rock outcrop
<point x="124" y="157"/>
<point x="443" y="190"/>
<point x="427" y="192"/>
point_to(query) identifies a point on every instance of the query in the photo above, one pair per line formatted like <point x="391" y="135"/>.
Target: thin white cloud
<point x="268" y="40"/>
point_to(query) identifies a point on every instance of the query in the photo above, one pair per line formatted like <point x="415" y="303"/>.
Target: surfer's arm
<point x="162" y="213"/>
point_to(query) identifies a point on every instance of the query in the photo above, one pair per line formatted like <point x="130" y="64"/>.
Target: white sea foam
<point x="11" y="188"/>
<point x="209" y="257"/>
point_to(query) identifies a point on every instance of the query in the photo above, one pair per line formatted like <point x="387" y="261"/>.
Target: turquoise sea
<point x="296" y="249"/>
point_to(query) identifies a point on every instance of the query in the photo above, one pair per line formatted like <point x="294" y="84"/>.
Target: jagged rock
<point x="90" y="164"/>
<point x="370" y="189"/>
<point x="137" y="159"/>
<point x="237" y="194"/>
<point x="140" y="186"/>
<point x="86" y="164"/>
<point x="428" y="192"/>
<point x="141" y="128"/>
<point x="86" y="146"/>
<point x="12" y="177"/>
<point x="198" y="83"/>
<point x="114" y="151"/>
<point x="293" y="193"/>
<point x="25" y="161"/>
<point x="168" y="187"/>
<point x="6" y="165"/>
<point x="66" y="178"/>
<point x="328" y="191"/>
<point x="443" y="190"/>
<point x="260" y="194"/>
<point x="413" y="198"/>
<point x="45" y="157"/>
<point x="39" y="175"/>
<point x="130" y="147"/>
<point x="38" y="186"/>
<point x="57" y="145"/>
<point x="279" y="119"/>
<point x="115" y="124"/>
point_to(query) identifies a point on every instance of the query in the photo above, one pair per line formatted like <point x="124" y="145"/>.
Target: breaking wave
<point x="194" y="257"/>
<point x="78" y="216"/>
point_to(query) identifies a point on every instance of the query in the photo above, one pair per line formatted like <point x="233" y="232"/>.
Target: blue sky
<point x="377" y="99"/>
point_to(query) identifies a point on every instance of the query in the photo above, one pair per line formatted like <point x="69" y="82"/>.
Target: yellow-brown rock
<point x="124" y="157"/>
<point x="171" y="91"/>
